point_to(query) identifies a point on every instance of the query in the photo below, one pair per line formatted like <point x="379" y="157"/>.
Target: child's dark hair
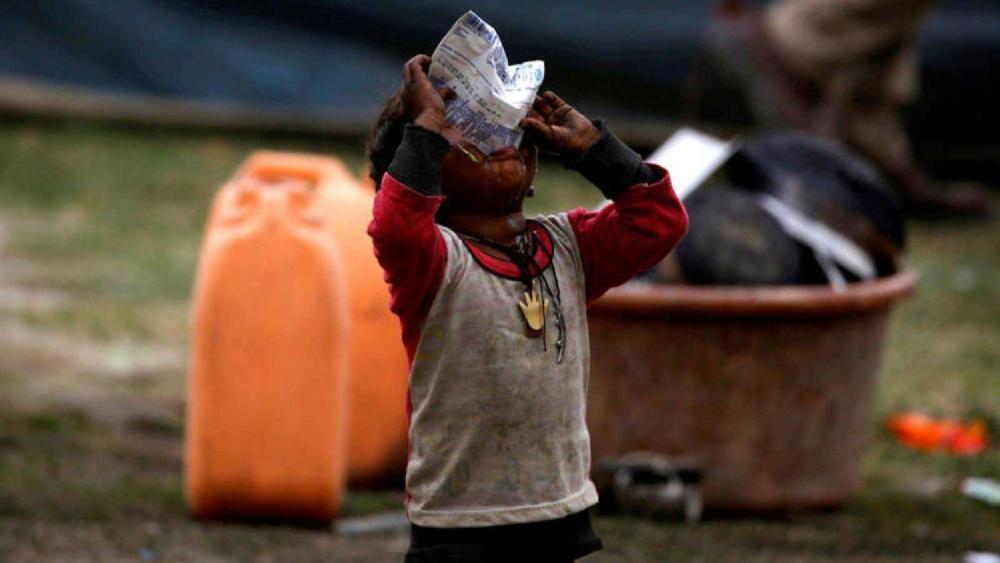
<point x="386" y="135"/>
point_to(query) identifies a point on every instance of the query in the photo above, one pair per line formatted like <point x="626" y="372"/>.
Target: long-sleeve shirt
<point x="497" y="429"/>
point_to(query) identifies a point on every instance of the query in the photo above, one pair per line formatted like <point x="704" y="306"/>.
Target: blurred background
<point x="120" y="120"/>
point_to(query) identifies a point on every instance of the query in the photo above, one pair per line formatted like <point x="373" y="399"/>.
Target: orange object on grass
<point x="379" y="371"/>
<point x="267" y="402"/>
<point x="921" y="432"/>
<point x="377" y="363"/>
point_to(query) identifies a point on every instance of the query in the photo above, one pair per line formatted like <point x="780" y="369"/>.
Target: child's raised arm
<point x="408" y="244"/>
<point x="645" y="220"/>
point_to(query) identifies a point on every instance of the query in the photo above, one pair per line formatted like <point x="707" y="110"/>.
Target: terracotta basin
<point x="768" y="389"/>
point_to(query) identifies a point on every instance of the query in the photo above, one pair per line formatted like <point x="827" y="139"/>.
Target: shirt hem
<point x="499" y="516"/>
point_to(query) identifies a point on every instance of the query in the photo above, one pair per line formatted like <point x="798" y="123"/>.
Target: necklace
<point x="535" y="303"/>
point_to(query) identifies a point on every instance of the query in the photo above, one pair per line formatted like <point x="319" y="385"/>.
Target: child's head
<point x="475" y="183"/>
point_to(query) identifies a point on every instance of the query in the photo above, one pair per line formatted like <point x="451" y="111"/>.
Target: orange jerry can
<point x="379" y="372"/>
<point x="267" y="392"/>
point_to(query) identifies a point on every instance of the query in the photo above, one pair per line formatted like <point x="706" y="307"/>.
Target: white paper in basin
<point x="691" y="157"/>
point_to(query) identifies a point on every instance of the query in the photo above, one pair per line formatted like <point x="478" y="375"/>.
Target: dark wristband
<point x="417" y="162"/>
<point x="611" y="165"/>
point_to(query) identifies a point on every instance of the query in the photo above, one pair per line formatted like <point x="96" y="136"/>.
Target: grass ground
<point x="99" y="231"/>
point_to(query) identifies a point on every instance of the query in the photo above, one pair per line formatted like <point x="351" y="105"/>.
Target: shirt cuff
<point x="410" y="199"/>
<point x="417" y="162"/>
<point x="611" y="165"/>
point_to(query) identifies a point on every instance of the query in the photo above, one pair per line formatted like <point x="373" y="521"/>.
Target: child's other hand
<point x="559" y="127"/>
<point x="422" y="102"/>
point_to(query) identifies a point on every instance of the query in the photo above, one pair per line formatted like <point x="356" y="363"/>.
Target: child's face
<point x="482" y="184"/>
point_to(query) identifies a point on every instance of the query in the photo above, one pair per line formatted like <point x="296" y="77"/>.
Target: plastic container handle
<point x="277" y="165"/>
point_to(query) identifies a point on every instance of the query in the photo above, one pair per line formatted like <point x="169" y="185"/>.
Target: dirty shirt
<point x="497" y="426"/>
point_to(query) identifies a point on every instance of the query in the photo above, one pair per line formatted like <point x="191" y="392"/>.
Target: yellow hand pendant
<point x="534" y="309"/>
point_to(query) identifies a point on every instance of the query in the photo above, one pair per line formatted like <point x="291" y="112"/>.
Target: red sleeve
<point x="630" y="235"/>
<point x="412" y="252"/>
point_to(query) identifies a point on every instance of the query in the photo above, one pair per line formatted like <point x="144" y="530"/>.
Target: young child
<point x="493" y="308"/>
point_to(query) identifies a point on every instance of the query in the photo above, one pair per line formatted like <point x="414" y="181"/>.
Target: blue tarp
<point x="328" y="57"/>
<point x="335" y="61"/>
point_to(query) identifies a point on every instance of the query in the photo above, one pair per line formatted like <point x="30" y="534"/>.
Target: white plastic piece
<point x="982" y="489"/>
<point x="981" y="557"/>
<point x="691" y="157"/>
<point x="828" y="245"/>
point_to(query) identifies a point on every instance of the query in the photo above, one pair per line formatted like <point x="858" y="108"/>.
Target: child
<point x="494" y="318"/>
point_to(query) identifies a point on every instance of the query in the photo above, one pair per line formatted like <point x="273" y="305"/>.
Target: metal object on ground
<point x="649" y="484"/>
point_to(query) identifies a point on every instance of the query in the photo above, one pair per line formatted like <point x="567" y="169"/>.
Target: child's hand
<point x="560" y="128"/>
<point x="422" y="102"/>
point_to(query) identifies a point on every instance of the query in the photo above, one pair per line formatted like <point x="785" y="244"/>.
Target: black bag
<point x="732" y="240"/>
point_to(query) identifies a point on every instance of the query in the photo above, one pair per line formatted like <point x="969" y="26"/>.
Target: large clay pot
<point x="769" y="389"/>
<point x="267" y="402"/>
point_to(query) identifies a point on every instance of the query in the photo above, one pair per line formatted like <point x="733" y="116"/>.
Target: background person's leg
<point x="839" y="68"/>
<point x="872" y="95"/>
<point x="817" y="39"/>
<point x="862" y="54"/>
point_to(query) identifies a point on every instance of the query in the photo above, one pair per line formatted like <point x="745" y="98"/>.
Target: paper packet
<point x="491" y="96"/>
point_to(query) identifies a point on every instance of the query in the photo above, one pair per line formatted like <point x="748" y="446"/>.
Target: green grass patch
<point x="56" y="465"/>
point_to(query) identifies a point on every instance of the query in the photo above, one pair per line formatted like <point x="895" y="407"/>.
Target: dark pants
<point x="552" y="541"/>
